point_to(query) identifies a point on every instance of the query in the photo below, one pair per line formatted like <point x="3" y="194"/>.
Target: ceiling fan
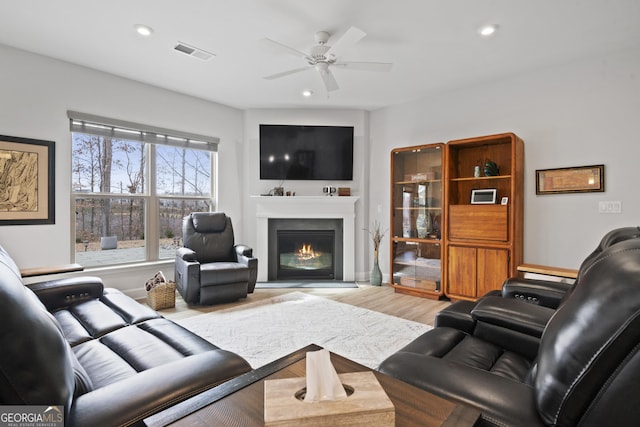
<point x="323" y="57"/>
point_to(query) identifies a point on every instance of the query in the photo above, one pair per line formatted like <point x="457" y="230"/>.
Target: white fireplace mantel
<point x="282" y="207"/>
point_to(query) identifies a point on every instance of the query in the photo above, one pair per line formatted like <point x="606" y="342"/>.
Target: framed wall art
<point x="581" y="179"/>
<point x="27" y="181"/>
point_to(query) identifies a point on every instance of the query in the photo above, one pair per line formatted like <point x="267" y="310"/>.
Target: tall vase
<point x="376" y="274"/>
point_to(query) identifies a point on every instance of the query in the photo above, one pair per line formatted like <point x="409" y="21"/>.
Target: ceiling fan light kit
<point x="323" y="57"/>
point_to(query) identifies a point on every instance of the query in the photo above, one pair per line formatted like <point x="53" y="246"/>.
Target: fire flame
<point x="306" y="252"/>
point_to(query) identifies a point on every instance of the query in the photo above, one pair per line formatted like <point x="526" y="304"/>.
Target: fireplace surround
<point x="306" y="207"/>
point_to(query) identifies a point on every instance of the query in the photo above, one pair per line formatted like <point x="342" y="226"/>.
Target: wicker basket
<point x="162" y="296"/>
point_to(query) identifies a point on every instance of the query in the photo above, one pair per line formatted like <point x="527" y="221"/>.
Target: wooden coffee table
<point x="240" y="402"/>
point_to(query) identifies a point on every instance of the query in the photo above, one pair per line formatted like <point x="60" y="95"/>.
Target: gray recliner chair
<point x="211" y="268"/>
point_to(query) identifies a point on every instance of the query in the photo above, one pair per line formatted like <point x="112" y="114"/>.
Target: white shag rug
<point x="269" y="329"/>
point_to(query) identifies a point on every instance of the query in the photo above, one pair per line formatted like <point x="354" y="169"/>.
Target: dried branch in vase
<point x="376" y="234"/>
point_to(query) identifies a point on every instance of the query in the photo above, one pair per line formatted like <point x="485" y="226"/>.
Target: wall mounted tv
<point x="306" y="152"/>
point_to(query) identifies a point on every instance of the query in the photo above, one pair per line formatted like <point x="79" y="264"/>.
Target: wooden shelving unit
<point x="441" y="242"/>
<point x="483" y="244"/>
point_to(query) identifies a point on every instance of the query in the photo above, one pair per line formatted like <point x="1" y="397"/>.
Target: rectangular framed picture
<point x="580" y="179"/>
<point x="27" y="181"/>
<point x="485" y="196"/>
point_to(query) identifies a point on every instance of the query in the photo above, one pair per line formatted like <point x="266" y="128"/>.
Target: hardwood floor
<point x="377" y="298"/>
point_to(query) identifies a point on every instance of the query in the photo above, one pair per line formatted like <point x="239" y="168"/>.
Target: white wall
<point x="36" y="93"/>
<point x="578" y="114"/>
<point x="581" y="113"/>
<point x="359" y="119"/>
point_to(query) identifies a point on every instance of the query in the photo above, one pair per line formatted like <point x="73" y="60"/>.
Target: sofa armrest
<point x="245" y="256"/>
<point x="186" y="254"/>
<point x="457" y="316"/>
<point x="60" y="293"/>
<point x="187" y="275"/>
<point x="540" y="292"/>
<point x="511" y="324"/>
<point x="514" y="315"/>
<point x="243" y="251"/>
<point x="501" y="400"/>
<point x="131" y="400"/>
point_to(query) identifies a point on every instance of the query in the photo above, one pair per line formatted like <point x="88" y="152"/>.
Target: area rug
<point x="276" y="284"/>
<point x="269" y="329"/>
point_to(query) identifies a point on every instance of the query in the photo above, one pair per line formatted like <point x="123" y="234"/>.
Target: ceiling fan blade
<point x="289" y="49"/>
<point x="286" y="73"/>
<point x="348" y="39"/>
<point x="365" y="66"/>
<point x="329" y="81"/>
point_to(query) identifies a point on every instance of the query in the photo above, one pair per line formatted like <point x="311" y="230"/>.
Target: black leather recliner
<point x="518" y="291"/>
<point x="211" y="268"/>
<point x="106" y="358"/>
<point x="584" y="370"/>
<point x="551" y="294"/>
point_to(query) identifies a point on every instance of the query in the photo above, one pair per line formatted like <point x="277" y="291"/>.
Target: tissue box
<point x="368" y="405"/>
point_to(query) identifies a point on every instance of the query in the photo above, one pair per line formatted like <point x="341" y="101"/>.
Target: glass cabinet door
<point x="418" y="212"/>
<point x="417" y="265"/>
<point x="417" y="193"/>
<point x="416" y="223"/>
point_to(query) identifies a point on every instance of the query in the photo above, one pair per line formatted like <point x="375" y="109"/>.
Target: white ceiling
<point x="433" y="44"/>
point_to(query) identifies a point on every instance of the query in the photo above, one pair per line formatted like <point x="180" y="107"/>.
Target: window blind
<point x="120" y="129"/>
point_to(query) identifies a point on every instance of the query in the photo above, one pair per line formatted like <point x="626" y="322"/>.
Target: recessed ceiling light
<point x="488" y="30"/>
<point x="143" y="30"/>
<point x="307" y="93"/>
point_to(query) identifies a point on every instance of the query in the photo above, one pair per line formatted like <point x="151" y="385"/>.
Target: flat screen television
<point x="292" y="152"/>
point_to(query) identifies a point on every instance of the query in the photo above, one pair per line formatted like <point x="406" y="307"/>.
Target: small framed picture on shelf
<point x="504" y="201"/>
<point x="485" y="196"/>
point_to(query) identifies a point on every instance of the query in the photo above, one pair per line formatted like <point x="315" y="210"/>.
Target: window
<point x="132" y="185"/>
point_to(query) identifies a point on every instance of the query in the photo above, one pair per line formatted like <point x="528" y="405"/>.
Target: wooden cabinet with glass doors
<point x="417" y="220"/>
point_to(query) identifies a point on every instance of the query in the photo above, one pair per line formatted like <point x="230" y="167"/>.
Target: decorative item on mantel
<point x="329" y="190"/>
<point x="344" y="191"/>
<point x="376" y="236"/>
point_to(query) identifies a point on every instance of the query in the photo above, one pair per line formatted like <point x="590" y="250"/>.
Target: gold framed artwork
<point x="27" y="181"/>
<point x="580" y="179"/>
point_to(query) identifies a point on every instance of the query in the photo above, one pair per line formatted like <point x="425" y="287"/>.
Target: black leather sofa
<point x="524" y="364"/>
<point x="106" y="358"/>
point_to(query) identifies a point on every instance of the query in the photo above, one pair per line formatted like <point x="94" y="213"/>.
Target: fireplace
<point x="305" y="254"/>
<point x="341" y="209"/>
<point x="305" y="249"/>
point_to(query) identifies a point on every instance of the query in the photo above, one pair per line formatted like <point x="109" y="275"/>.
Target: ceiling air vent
<point x="193" y="51"/>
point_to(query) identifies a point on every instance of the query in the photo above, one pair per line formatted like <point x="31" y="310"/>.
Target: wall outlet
<point x="610" y="207"/>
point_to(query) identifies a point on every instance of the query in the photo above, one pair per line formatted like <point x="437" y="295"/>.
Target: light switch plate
<point x="610" y="207"/>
